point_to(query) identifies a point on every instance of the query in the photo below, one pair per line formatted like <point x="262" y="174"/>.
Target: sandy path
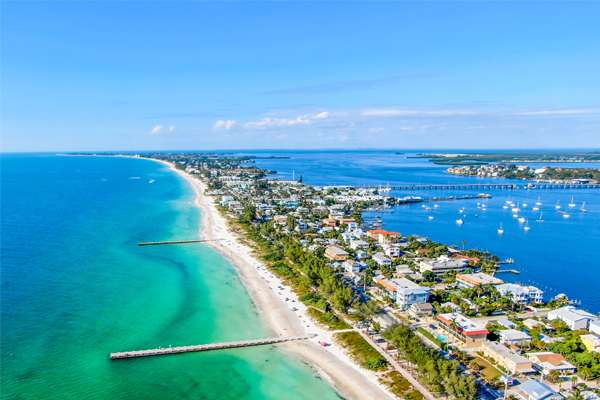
<point x="351" y="381"/>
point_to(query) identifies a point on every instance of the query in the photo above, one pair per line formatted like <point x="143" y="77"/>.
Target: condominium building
<point x="469" y="334"/>
<point x="404" y="292"/>
<point x="336" y="253"/>
<point x="469" y="281"/>
<point x="574" y="318"/>
<point x="513" y="362"/>
<point x="442" y="265"/>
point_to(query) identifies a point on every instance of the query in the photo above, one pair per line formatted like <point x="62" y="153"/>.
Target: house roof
<point x="536" y="390"/>
<point x="464" y="324"/>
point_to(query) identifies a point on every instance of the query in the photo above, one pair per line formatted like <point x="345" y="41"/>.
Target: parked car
<point x="432" y="326"/>
<point x="391" y="348"/>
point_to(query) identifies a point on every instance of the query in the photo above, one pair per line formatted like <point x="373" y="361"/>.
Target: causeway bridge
<point x="206" y="347"/>
<point x="479" y="186"/>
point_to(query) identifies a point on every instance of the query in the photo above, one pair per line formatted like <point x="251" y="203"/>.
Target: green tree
<point x="429" y="276"/>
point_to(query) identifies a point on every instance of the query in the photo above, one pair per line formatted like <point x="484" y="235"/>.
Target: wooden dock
<point x="206" y="347"/>
<point x="177" y="242"/>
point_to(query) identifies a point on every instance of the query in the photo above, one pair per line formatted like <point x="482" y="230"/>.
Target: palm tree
<point x="463" y="243"/>
<point x="574" y="380"/>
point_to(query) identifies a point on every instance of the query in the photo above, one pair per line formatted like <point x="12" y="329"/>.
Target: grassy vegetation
<point x="489" y="371"/>
<point x="361" y="351"/>
<point x="328" y="321"/>
<point x="399" y="386"/>
<point x="429" y="336"/>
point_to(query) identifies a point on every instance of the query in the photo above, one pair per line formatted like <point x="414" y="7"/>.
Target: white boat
<point x="536" y="208"/>
<point x="557" y="205"/>
<point x="571" y="204"/>
<point x="538" y="203"/>
<point x="500" y="230"/>
<point x="153" y="180"/>
<point x="504" y="206"/>
<point x="565" y="215"/>
<point x="460" y="221"/>
<point x="526" y="226"/>
<point x="427" y="208"/>
<point x="582" y="209"/>
<point x="540" y="220"/>
<point x="516" y="215"/>
<point x="436" y="206"/>
<point x="430" y="217"/>
<point x="524" y="204"/>
<point x="521" y="219"/>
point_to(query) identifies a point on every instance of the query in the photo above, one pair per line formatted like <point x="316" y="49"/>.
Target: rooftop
<point x="480" y="279"/>
<point x="463" y="323"/>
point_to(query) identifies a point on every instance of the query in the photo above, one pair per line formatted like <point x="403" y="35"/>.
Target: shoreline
<point x="347" y="379"/>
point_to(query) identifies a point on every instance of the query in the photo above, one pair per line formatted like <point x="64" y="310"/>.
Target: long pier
<point x="177" y="242"/>
<point x="480" y="186"/>
<point x="206" y="347"/>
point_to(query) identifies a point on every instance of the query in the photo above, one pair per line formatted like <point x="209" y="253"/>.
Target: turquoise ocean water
<point x="76" y="287"/>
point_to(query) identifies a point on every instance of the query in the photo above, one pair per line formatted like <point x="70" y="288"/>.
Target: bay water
<point x="76" y="287"/>
<point x="559" y="255"/>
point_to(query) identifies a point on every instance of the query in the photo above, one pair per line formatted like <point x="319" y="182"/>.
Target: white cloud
<point x="406" y="127"/>
<point x="157" y="129"/>
<point x="269" y="122"/>
<point x="171" y="128"/>
<point x="375" y="130"/>
<point x="343" y="138"/>
<point x="387" y="112"/>
<point x="559" y="112"/>
<point x="324" y="114"/>
<point x="227" y="125"/>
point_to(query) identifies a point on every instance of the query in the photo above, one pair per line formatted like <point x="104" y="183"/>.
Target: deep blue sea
<point x="76" y="287"/>
<point x="559" y="255"/>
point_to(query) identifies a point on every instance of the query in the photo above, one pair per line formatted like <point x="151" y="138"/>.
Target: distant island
<point x="515" y="157"/>
<point x="525" y="172"/>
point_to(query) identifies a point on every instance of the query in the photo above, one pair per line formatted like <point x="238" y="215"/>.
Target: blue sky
<point x="94" y="76"/>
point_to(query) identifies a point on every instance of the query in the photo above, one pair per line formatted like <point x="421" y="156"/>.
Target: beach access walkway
<point x="205" y="347"/>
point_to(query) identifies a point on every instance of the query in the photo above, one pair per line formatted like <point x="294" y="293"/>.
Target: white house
<point x="513" y="336"/>
<point x="391" y="251"/>
<point x="382" y="260"/>
<point x="358" y="244"/>
<point x="404" y="292"/>
<point x="522" y="294"/>
<point x="574" y="318"/>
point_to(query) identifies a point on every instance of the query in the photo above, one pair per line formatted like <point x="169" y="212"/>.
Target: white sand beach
<point x="351" y="381"/>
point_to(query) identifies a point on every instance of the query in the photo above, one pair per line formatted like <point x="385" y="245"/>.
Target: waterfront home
<point x="418" y="310"/>
<point x="467" y="333"/>
<point x="513" y="362"/>
<point x="469" y="281"/>
<point x="382" y="260"/>
<point x="591" y="342"/>
<point x="513" y="336"/>
<point x="594" y="327"/>
<point x="403" y="292"/>
<point x="522" y="294"/>
<point x="442" y="265"/>
<point x="546" y="362"/>
<point x="383" y="236"/>
<point x="358" y="244"/>
<point x="574" y="318"/>
<point x="534" y="390"/>
<point x="470" y="260"/>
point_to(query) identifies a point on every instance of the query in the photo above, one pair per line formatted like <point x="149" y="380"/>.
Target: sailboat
<point x="524" y="204"/>
<point x="500" y="230"/>
<point x="517" y="207"/>
<point x="557" y="205"/>
<point x="540" y="220"/>
<point x="504" y="206"/>
<point x="460" y="221"/>
<point x="565" y="215"/>
<point x="538" y="203"/>
<point x="536" y="208"/>
<point x="526" y="226"/>
<point x="521" y="219"/>
<point x="571" y="204"/>
<point x="582" y="209"/>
